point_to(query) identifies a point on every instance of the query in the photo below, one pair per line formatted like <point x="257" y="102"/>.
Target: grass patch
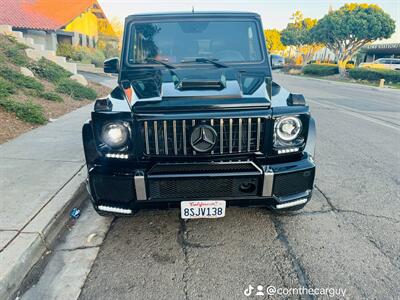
<point x="51" y="96"/>
<point x="321" y="70"/>
<point x="19" y="80"/>
<point x="76" y="90"/>
<point x="390" y="76"/>
<point x="6" y="88"/>
<point x="49" y="70"/>
<point x="28" y="111"/>
<point x="13" y="50"/>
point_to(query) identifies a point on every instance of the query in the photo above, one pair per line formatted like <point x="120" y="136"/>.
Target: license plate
<point x="202" y="209"/>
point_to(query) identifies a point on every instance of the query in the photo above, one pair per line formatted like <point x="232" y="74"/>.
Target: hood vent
<point x="195" y="84"/>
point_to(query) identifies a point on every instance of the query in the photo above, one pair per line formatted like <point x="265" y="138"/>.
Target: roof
<point x="194" y="14"/>
<point x="41" y="14"/>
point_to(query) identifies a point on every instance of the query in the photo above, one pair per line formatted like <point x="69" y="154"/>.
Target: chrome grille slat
<point x="258" y="133"/>
<point x="165" y="138"/>
<point x="184" y="137"/>
<point x="221" y="136"/>
<point x="146" y="135"/>
<point x="193" y="125"/>
<point x="230" y="135"/>
<point x="172" y="137"/>
<point x="240" y="136"/>
<point x="156" y="137"/>
<point x="175" y="140"/>
<point x="212" y="124"/>
<point x="248" y="134"/>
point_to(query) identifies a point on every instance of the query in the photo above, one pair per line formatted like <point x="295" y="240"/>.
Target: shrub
<point x="375" y="74"/>
<point x="82" y="54"/>
<point x="320" y="70"/>
<point x="66" y="50"/>
<point x="28" y="111"/>
<point x="51" y="96"/>
<point x="49" y="70"/>
<point x="76" y="90"/>
<point x="14" y="51"/>
<point x="6" y="88"/>
<point x="19" y="80"/>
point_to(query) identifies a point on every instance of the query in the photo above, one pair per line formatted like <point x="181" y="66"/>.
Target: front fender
<point x="311" y="139"/>
<point x="89" y="144"/>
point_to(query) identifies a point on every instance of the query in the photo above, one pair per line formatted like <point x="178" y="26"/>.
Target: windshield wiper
<point x="213" y="61"/>
<point x="153" y="60"/>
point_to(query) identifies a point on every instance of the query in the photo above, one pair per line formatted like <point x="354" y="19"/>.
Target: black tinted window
<point x="177" y="42"/>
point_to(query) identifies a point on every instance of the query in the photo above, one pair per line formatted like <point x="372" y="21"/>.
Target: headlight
<point x="288" y="129"/>
<point x="114" y="134"/>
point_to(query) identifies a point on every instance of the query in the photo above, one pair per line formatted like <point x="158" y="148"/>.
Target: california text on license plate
<point x="203" y="209"/>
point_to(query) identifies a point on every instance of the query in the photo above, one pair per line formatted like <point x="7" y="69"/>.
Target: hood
<point x="186" y="90"/>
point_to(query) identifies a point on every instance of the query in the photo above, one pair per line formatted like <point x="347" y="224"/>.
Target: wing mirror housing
<point x="296" y="100"/>
<point x="111" y="66"/>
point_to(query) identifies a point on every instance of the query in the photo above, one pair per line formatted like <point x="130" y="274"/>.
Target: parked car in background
<point x="277" y="61"/>
<point x="383" y="63"/>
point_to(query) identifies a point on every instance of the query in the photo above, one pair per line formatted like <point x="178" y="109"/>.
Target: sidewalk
<point x="41" y="178"/>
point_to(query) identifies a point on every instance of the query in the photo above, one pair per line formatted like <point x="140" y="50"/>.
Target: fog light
<point x="291" y="203"/>
<point x="117" y="210"/>
<point x="288" y="150"/>
<point x="117" y="155"/>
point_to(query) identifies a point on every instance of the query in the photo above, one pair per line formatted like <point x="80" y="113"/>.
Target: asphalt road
<point x="348" y="237"/>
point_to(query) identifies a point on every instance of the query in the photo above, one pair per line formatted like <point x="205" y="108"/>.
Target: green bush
<point x="320" y="70"/>
<point x="6" y="88"/>
<point x="28" y="111"/>
<point x="14" y="51"/>
<point x="49" y="70"/>
<point x="66" y="50"/>
<point x="375" y="74"/>
<point x="19" y="80"/>
<point x="76" y="90"/>
<point x="51" y="96"/>
<point x="82" y="54"/>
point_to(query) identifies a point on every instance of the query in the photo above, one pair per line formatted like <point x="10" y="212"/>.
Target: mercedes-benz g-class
<point x="197" y="122"/>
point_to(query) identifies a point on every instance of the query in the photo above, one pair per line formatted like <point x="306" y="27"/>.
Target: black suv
<point x="197" y="122"/>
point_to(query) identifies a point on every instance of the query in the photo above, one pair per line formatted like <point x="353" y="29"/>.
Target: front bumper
<point x="166" y="185"/>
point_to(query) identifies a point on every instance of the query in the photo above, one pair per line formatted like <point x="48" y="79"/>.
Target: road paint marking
<point x="356" y="114"/>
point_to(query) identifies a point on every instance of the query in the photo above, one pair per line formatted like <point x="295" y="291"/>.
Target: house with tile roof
<point x="50" y="22"/>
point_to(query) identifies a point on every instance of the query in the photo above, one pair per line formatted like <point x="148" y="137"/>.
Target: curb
<point x="35" y="239"/>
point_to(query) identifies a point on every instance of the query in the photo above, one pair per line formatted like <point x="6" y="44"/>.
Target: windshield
<point x="185" y="41"/>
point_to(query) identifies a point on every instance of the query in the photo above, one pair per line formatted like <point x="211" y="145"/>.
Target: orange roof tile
<point x="41" y="14"/>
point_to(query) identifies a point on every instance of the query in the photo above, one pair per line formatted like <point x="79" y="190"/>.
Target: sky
<point x="274" y="13"/>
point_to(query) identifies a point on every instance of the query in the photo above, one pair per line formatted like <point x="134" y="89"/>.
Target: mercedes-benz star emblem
<point x="203" y="138"/>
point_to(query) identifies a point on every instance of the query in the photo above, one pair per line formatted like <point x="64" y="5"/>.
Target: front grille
<point x="201" y="187"/>
<point x="172" y="137"/>
<point x="208" y="168"/>
<point x="293" y="183"/>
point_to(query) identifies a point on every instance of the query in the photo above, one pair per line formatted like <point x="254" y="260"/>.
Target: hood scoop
<point x="188" y="84"/>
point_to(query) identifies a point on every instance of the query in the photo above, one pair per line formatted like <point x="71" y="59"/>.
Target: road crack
<point x="182" y="241"/>
<point x="369" y="239"/>
<point x="339" y="210"/>
<point x="296" y="263"/>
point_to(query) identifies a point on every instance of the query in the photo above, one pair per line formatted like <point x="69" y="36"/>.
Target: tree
<point x="298" y="34"/>
<point x="348" y="29"/>
<point x="118" y="26"/>
<point x="273" y="38"/>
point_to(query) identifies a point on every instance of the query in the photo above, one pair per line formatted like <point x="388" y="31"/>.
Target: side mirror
<point x="111" y="66"/>
<point x="296" y="100"/>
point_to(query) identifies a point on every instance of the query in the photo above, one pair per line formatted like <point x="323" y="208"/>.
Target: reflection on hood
<point x="209" y="83"/>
